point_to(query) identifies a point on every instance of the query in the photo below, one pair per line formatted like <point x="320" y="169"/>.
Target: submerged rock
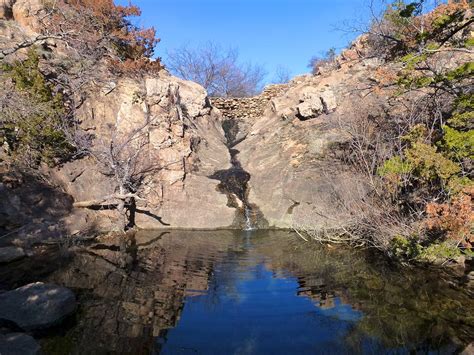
<point x="18" y="344"/>
<point x="9" y="254"/>
<point x="37" y="305"/>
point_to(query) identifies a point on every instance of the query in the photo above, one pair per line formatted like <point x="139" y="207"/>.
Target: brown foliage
<point x="102" y="28"/>
<point x="455" y="218"/>
<point x="137" y="66"/>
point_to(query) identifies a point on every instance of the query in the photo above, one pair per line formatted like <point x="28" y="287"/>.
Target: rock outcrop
<point x="290" y="150"/>
<point x="286" y="140"/>
<point x="288" y="137"/>
<point x="186" y="139"/>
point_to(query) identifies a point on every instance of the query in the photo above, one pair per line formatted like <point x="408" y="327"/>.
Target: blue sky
<point x="269" y="32"/>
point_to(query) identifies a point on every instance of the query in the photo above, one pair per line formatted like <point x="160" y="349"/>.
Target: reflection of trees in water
<point x="132" y="291"/>
<point x="237" y="267"/>
<point x="400" y="307"/>
<point x="131" y="294"/>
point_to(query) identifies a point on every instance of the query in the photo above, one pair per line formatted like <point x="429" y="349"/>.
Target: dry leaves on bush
<point x="456" y="218"/>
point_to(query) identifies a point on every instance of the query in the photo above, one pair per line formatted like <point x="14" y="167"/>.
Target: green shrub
<point x="458" y="144"/>
<point x="405" y="248"/>
<point x="411" y="249"/>
<point x="443" y="251"/>
<point x="429" y="164"/>
<point x="36" y="134"/>
<point x="463" y="113"/>
<point x="469" y="42"/>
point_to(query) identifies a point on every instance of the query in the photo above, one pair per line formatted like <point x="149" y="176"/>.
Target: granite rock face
<point x="290" y="150"/>
<point x="185" y="139"/>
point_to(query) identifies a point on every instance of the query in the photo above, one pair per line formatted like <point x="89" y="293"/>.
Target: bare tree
<point x="328" y="59"/>
<point x="282" y="75"/>
<point x="127" y="158"/>
<point x="217" y="69"/>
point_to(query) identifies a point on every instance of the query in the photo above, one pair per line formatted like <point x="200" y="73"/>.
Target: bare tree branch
<point x="218" y="70"/>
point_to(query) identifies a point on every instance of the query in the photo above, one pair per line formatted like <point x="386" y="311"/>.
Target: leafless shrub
<point x="217" y="69"/>
<point x="356" y="217"/>
<point x="125" y="157"/>
<point x="282" y="75"/>
<point x="327" y="61"/>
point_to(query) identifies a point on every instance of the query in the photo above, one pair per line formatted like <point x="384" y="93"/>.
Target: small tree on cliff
<point x="127" y="158"/>
<point x="217" y="69"/>
<point x="86" y="40"/>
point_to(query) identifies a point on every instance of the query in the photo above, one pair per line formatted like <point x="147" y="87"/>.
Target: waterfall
<point x="248" y="219"/>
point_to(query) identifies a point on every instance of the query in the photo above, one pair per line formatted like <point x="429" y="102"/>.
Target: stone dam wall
<point x="248" y="107"/>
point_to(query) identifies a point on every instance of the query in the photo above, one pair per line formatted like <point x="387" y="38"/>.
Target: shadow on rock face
<point x="33" y="210"/>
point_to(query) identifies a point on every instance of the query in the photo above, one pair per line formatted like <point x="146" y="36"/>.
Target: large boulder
<point x="37" y="305"/>
<point x="192" y="96"/>
<point x="315" y="102"/>
<point x="18" y="344"/>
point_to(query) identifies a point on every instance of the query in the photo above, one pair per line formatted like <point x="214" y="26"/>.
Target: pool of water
<point x="259" y="292"/>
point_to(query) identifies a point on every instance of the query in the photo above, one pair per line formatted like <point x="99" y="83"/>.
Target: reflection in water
<point x="262" y="292"/>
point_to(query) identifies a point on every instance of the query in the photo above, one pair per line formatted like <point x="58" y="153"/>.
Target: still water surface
<point x="260" y="292"/>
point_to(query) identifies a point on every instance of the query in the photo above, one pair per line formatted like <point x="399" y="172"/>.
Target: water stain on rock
<point x="234" y="183"/>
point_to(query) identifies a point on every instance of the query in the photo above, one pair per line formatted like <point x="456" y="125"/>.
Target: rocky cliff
<point x="288" y="138"/>
<point x="284" y="144"/>
<point x="184" y="138"/>
<point x="290" y="150"/>
<point x="283" y="138"/>
<point x="189" y="146"/>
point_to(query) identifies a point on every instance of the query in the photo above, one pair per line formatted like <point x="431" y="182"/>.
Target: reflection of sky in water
<point x="252" y="311"/>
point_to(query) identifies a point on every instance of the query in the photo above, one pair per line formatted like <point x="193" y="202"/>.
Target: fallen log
<point x="105" y="201"/>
